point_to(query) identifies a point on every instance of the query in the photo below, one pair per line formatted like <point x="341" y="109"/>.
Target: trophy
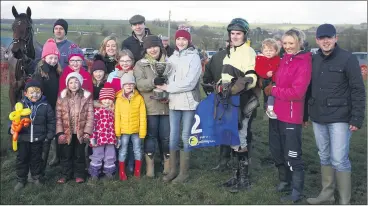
<point x="161" y="69"/>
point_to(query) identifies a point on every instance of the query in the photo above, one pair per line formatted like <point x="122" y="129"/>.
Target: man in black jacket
<point x="135" y="42"/>
<point x="336" y="98"/>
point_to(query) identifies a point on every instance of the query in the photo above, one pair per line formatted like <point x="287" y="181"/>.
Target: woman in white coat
<point x="184" y="97"/>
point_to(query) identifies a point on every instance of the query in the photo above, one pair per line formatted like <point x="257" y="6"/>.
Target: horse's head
<point x="22" y="33"/>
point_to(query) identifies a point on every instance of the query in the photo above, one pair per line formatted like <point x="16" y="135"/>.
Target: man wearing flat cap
<point x="336" y="99"/>
<point x="165" y="42"/>
<point x="135" y="42"/>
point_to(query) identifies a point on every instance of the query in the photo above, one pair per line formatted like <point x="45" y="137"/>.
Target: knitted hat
<point x="127" y="78"/>
<point x="137" y="19"/>
<point x="32" y="83"/>
<point x="183" y="33"/>
<point x="76" y="75"/>
<point x="98" y="63"/>
<point x="151" y="41"/>
<point x="107" y="92"/>
<point x="50" y="48"/>
<point x="62" y="23"/>
<point x="74" y="50"/>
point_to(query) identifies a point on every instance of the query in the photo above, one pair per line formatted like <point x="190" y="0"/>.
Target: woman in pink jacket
<point x="285" y="133"/>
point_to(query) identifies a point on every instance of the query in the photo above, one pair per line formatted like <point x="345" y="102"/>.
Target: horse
<point x="21" y="59"/>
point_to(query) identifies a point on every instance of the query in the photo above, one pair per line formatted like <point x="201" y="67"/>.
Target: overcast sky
<point x="313" y="12"/>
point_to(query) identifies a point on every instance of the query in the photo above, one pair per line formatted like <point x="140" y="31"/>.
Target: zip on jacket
<point x="32" y="118"/>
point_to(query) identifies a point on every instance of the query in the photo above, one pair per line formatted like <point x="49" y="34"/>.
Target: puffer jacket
<point x="144" y="77"/>
<point x="292" y="80"/>
<point x="84" y="123"/>
<point x="115" y="80"/>
<point x="42" y="121"/>
<point x="130" y="115"/>
<point x="183" y="81"/>
<point x="87" y="79"/>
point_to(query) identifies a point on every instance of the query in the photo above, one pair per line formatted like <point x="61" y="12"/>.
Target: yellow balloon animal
<point x="17" y="123"/>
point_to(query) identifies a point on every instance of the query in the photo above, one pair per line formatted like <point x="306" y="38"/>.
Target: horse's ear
<point x="15" y="12"/>
<point x="29" y="13"/>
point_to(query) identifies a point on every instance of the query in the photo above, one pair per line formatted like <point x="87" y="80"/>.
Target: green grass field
<point x="202" y="187"/>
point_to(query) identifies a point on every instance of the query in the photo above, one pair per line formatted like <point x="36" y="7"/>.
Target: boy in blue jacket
<point x="31" y="138"/>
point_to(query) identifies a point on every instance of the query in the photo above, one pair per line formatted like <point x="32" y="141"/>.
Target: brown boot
<point x="328" y="187"/>
<point x="173" y="167"/>
<point x="184" y="168"/>
<point x="150" y="165"/>
<point x="166" y="164"/>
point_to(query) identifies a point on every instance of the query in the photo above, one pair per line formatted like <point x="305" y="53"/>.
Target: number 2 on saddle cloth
<point x="216" y="122"/>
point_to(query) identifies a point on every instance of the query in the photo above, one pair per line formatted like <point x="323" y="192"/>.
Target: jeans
<point x="124" y="146"/>
<point x="158" y="129"/>
<point x="333" y="141"/>
<point x="270" y="101"/>
<point x="187" y="119"/>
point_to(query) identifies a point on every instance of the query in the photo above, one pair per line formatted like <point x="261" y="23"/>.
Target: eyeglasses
<point x="127" y="61"/>
<point x="75" y="61"/>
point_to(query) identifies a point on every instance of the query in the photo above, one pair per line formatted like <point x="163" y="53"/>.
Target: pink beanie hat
<point x="50" y="48"/>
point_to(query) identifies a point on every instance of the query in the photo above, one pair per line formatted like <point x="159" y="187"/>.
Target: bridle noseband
<point x="27" y="38"/>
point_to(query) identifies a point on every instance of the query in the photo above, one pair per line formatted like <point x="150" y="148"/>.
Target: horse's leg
<point x="12" y="106"/>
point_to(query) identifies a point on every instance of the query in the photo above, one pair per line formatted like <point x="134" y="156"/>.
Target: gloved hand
<point x="248" y="80"/>
<point x="62" y="139"/>
<point x="118" y="143"/>
<point x="86" y="138"/>
<point x="159" y="81"/>
<point x="208" y="88"/>
<point x="93" y="142"/>
<point x="46" y="67"/>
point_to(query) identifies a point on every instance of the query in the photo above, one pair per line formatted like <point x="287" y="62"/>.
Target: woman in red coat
<point x="285" y="133"/>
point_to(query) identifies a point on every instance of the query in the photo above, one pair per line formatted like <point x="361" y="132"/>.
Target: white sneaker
<point x="271" y="114"/>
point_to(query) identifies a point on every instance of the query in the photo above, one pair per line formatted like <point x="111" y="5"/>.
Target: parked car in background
<point x="210" y="54"/>
<point x="362" y="58"/>
<point x="88" y="52"/>
<point x="314" y="50"/>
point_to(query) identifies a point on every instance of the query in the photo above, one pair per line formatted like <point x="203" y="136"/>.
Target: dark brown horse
<point x="21" y="60"/>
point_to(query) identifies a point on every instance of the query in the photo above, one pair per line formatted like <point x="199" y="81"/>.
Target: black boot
<point x="285" y="179"/>
<point x="224" y="158"/>
<point x="235" y="171"/>
<point x="298" y="186"/>
<point x="243" y="180"/>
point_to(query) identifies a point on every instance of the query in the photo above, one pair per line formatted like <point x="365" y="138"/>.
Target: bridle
<point x="24" y="61"/>
<point x="27" y="38"/>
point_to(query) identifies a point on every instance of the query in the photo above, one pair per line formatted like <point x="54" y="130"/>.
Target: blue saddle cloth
<point x="215" y="124"/>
